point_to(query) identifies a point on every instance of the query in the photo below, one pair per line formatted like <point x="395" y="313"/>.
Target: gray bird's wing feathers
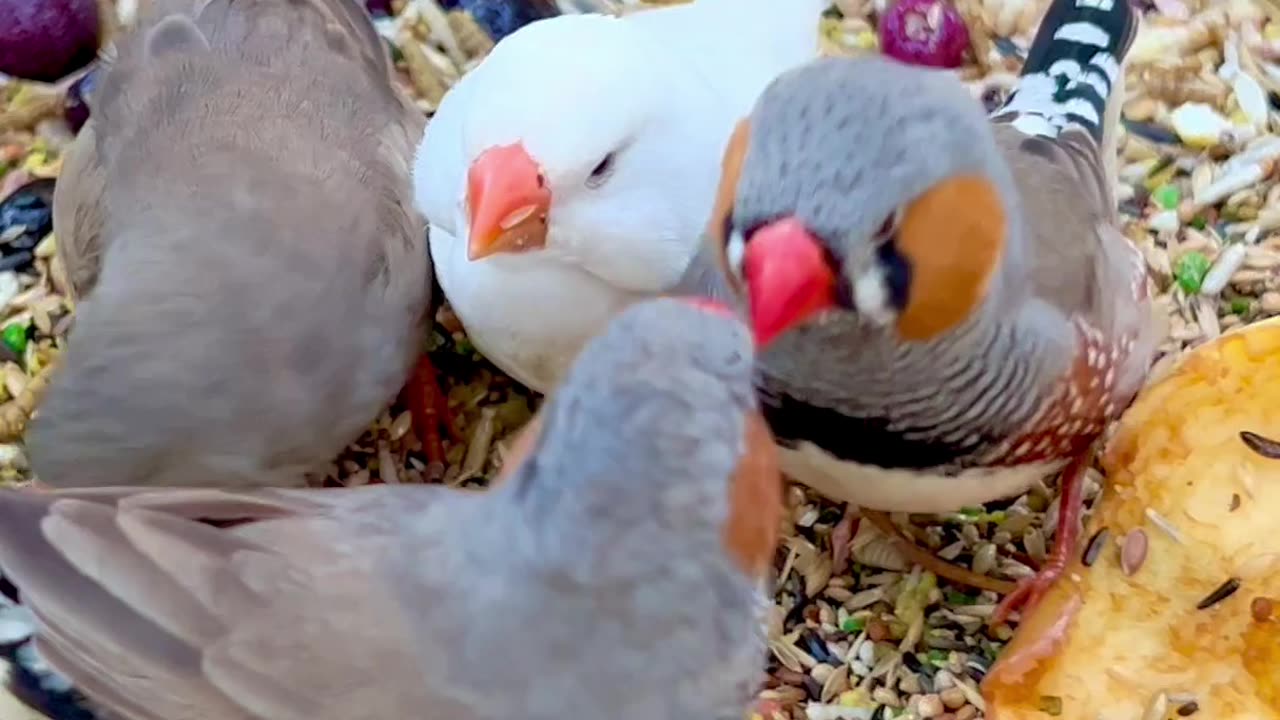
<point x="237" y="217"/>
<point x="279" y="617"/>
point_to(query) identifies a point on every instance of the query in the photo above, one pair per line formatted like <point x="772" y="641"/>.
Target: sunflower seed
<point x="1133" y="551"/>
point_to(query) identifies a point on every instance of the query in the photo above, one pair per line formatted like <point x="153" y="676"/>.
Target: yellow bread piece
<point x="1104" y="645"/>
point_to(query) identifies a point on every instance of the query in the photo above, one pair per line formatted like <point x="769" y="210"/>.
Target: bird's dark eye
<point x="601" y="172"/>
<point x="897" y="273"/>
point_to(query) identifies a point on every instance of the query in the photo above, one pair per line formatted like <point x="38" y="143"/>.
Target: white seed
<point x="1228" y="262"/>
<point x="1158" y="708"/>
<point x="984" y="560"/>
<point x="1252" y="99"/>
<point x="930" y="706"/>
<point x="1238" y="179"/>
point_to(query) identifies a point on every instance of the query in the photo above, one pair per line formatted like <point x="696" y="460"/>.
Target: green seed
<point x="938" y="657"/>
<point x="1199" y="222"/>
<point x="15" y="338"/>
<point x="959" y="598"/>
<point x="1167" y="196"/>
<point x="1239" y="306"/>
<point x="853" y="625"/>
<point x="1190" y="271"/>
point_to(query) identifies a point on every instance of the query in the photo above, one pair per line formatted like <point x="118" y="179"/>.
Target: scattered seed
<point x="1133" y="552"/>
<point x="812" y="686"/>
<point x="1235" y="502"/>
<point x="817" y="648"/>
<point x="1261" y="608"/>
<point x="1228" y="262"/>
<point x="1158" y="708"/>
<point x="1265" y="447"/>
<point x="953" y="698"/>
<point x="1051" y="705"/>
<point x="1095" y="546"/>
<point x="1188" y="709"/>
<point x="1163" y="523"/>
<point x="930" y="706"/>
<point x="1220" y="593"/>
<point x="977" y="669"/>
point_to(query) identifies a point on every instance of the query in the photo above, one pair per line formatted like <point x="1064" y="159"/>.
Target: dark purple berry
<point x="76" y="105"/>
<point x="924" y="32"/>
<point x="46" y="40"/>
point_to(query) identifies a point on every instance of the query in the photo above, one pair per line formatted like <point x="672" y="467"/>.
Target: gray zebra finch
<point x="949" y="309"/>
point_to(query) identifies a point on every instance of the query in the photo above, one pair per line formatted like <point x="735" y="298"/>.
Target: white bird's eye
<point x="601" y="172"/>
<point x="734" y="250"/>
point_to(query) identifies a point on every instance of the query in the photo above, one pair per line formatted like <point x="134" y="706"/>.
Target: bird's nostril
<point x="542" y="181"/>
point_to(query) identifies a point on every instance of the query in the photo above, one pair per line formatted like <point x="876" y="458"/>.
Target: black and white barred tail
<point x="1072" y="67"/>
<point x="25" y="675"/>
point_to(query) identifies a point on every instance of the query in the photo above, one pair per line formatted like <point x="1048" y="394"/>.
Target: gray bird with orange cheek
<point x="950" y="309"/>
<point x="615" y="571"/>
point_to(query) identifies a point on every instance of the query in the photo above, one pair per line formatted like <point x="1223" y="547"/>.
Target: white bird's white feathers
<point x="662" y="90"/>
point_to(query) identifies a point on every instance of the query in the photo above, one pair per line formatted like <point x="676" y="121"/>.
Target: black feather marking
<point x="30" y="680"/>
<point x="867" y="441"/>
<point x="9" y="590"/>
<point x="1072" y="67"/>
<point x="40" y="689"/>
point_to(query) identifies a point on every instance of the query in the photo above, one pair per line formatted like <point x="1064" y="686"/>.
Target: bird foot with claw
<point x="1070" y="508"/>
<point x="1029" y="591"/>
<point x="429" y="407"/>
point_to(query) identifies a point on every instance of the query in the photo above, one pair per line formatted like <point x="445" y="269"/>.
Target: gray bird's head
<point x="865" y="186"/>
<point x="640" y="449"/>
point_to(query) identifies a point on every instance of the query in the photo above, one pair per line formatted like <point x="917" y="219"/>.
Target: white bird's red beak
<point x="508" y="200"/>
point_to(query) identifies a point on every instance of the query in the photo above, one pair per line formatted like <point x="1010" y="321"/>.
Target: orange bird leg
<point x="429" y="408"/>
<point x="1070" y="509"/>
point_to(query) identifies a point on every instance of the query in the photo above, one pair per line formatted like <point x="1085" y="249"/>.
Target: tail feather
<point x="1073" y="69"/>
